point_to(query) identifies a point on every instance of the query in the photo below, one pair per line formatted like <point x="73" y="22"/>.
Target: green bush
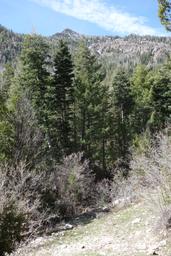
<point x="11" y="228"/>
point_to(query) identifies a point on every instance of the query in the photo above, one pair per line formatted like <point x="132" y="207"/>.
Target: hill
<point x="113" y="51"/>
<point x="10" y="45"/>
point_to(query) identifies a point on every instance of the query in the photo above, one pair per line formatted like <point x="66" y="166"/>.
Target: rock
<point x="162" y="243"/>
<point x="106" y="209"/>
<point x="153" y="250"/>
<point x="55" y="234"/>
<point x="119" y="203"/>
<point x="141" y="247"/>
<point x="136" y="221"/>
<point x="68" y="226"/>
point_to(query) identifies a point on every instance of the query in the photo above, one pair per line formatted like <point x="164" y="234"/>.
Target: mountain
<point x="121" y="51"/>
<point x="10" y="45"/>
<point x="112" y="51"/>
<point x="68" y="34"/>
<point x="131" y="50"/>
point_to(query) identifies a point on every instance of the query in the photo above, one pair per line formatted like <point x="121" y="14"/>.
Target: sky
<point x="91" y="17"/>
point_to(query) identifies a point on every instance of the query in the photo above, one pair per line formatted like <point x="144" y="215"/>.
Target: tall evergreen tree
<point x="6" y="128"/>
<point x="90" y="106"/>
<point x="141" y="89"/>
<point x="161" y="98"/>
<point x="32" y="77"/>
<point x="122" y="102"/>
<point x="60" y="102"/>
<point x="30" y="85"/>
<point x="6" y="80"/>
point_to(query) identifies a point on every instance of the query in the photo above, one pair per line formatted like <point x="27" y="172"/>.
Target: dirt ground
<point x="128" y="232"/>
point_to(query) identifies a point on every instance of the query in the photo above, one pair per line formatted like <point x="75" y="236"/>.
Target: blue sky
<point x="93" y="17"/>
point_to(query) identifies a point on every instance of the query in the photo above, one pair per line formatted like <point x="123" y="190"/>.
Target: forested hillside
<point x="113" y="51"/>
<point x="10" y="45"/>
<point x="75" y="113"/>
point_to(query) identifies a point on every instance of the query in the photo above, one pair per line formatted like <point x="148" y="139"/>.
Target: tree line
<point x="70" y="107"/>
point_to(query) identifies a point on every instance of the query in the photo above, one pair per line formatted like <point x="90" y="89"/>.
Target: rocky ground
<point x="128" y="232"/>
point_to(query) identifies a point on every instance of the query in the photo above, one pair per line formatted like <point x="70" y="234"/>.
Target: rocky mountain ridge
<point x="113" y="51"/>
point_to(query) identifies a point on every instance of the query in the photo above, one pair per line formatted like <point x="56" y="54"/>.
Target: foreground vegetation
<point x="136" y="225"/>
<point x="53" y="108"/>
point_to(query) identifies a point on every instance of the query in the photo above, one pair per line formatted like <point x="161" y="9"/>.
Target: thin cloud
<point x="107" y="17"/>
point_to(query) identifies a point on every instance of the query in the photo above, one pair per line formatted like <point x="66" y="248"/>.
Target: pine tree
<point x="30" y="85"/>
<point x="6" y="129"/>
<point x="161" y="98"/>
<point x="141" y="89"/>
<point x="122" y="105"/>
<point x="60" y="102"/>
<point x="90" y="106"/>
<point x="6" y="80"/>
<point x="32" y="77"/>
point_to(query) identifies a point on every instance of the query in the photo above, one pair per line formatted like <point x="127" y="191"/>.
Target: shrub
<point x="11" y="227"/>
<point x="20" y="211"/>
<point x="153" y="168"/>
<point x="103" y="192"/>
<point x="73" y="181"/>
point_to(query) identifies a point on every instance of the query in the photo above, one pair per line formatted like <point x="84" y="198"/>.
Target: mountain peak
<point x="68" y="33"/>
